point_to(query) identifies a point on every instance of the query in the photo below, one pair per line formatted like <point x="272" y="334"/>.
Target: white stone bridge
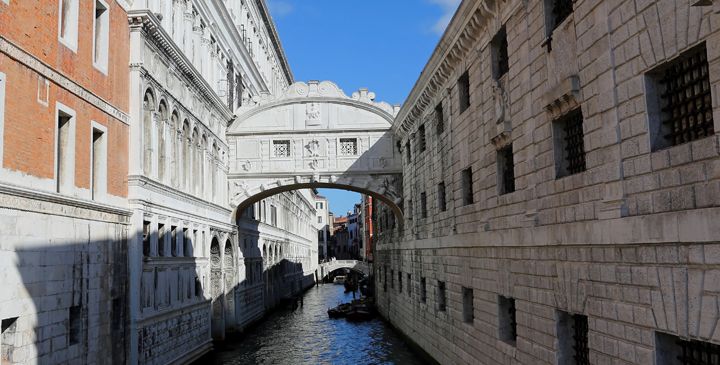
<point x="354" y="265"/>
<point x="314" y="136"/>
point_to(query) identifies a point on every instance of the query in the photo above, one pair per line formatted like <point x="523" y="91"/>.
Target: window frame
<point x="463" y="84"/>
<point x="102" y="64"/>
<point x="69" y="40"/>
<point x="67" y="186"/>
<point x="100" y="191"/>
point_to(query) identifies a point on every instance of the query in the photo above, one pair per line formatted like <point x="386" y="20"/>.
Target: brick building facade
<point x="63" y="181"/>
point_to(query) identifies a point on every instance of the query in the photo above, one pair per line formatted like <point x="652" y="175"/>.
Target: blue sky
<point x="381" y="45"/>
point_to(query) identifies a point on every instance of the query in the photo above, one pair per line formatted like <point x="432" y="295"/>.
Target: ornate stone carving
<point x="502" y="101"/>
<point x="313" y="148"/>
<point x="247" y="165"/>
<point x="389" y="188"/>
<point x="314" y="164"/>
<point x="312" y="114"/>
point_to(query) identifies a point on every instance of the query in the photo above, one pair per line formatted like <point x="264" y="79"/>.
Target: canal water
<point x="307" y="336"/>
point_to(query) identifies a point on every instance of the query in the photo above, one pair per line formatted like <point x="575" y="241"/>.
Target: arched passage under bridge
<point x="315" y="136"/>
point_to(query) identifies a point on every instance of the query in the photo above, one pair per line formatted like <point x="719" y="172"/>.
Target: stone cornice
<point x="454" y="46"/>
<point x="150" y="184"/>
<point x="153" y="28"/>
<point x="270" y="24"/>
<point x="50" y="73"/>
<point x="60" y="205"/>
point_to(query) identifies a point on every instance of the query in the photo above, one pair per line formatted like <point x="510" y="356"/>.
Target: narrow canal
<point x="308" y="336"/>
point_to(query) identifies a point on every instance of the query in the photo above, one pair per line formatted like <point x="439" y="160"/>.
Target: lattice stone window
<point x="672" y="350"/>
<point x="572" y="339"/>
<point x="680" y="100"/>
<point x="348" y="146"/>
<point x="569" y="144"/>
<point x="506" y="170"/>
<point x="281" y="148"/>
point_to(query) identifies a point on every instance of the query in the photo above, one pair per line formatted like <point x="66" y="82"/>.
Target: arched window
<point x="147" y="142"/>
<point x="162" y="132"/>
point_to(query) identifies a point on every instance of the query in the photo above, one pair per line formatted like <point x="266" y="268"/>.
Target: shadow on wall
<point x="64" y="302"/>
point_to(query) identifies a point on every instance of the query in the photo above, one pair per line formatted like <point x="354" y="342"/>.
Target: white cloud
<point x="449" y="7"/>
<point x="280" y="8"/>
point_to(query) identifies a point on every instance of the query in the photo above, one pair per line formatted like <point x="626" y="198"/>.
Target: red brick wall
<point x="29" y="125"/>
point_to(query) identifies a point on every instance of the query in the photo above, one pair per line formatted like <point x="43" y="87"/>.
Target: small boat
<point x="359" y="315"/>
<point x="340" y="279"/>
<point x="340" y="311"/>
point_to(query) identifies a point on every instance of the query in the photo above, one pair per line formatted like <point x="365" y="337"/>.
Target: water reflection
<point x="307" y="336"/>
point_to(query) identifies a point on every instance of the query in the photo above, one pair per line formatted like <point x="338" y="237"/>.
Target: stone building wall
<point x="626" y="243"/>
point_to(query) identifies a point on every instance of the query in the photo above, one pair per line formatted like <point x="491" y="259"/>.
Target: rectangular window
<point x="273" y="216"/>
<point x="442" y="202"/>
<point x="569" y="144"/>
<point x="673" y="350"/>
<point x="680" y="100"/>
<point x="441" y="296"/>
<point x="174" y="238"/>
<point x="101" y="36"/>
<point x="410" y="209"/>
<point x="320" y="219"/>
<point x="146" y="238"/>
<point x="556" y="12"/>
<point x="423" y="205"/>
<point x="400" y="282"/>
<point x="409" y="285"/>
<point x="68" y="23"/>
<point x="422" y="142"/>
<point x="385" y="276"/>
<point x="506" y="316"/>
<point x="439" y="119"/>
<point x="408" y="152"/>
<point x="506" y="170"/>
<point x="98" y="163"/>
<point x="65" y="151"/>
<point x="423" y="290"/>
<point x="572" y="332"/>
<point x="74" y="324"/>
<point x="499" y="47"/>
<point x="187" y="243"/>
<point x="161" y="239"/>
<point x="468" y="305"/>
<point x="8" y="331"/>
<point x="348" y="146"/>
<point x="467" y="186"/>
<point x="392" y="279"/>
<point x="281" y="148"/>
<point x="464" y="91"/>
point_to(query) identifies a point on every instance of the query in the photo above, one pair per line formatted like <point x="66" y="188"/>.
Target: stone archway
<point x="314" y="136"/>
<point x="217" y="291"/>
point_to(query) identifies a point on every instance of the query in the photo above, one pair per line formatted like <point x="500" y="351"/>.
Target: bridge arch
<point x="314" y="136"/>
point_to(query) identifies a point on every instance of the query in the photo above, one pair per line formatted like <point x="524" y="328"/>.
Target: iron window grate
<point x="440" y="127"/>
<point x="502" y="60"/>
<point x="580" y="337"/>
<point x="507" y="165"/>
<point x="698" y="353"/>
<point x="686" y="98"/>
<point x="513" y="321"/>
<point x="422" y="143"/>
<point x="464" y="91"/>
<point x="561" y="9"/>
<point x="574" y="142"/>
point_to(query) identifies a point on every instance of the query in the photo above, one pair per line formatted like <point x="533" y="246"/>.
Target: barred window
<point x="559" y="10"/>
<point x="569" y="144"/>
<point x="408" y="152"/>
<point x="674" y="350"/>
<point x="422" y="145"/>
<point x="680" y="100"/>
<point x="281" y="148"/>
<point x="440" y="119"/>
<point x="348" y="146"/>
<point x="468" y="305"/>
<point x="467" y="188"/>
<point x="423" y="290"/>
<point x="506" y="170"/>
<point x="573" y="339"/>
<point x="441" y="296"/>
<point x="508" y="322"/>
<point x="499" y="47"/>
<point x="423" y="205"/>
<point x="442" y="202"/>
<point x="464" y="91"/>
